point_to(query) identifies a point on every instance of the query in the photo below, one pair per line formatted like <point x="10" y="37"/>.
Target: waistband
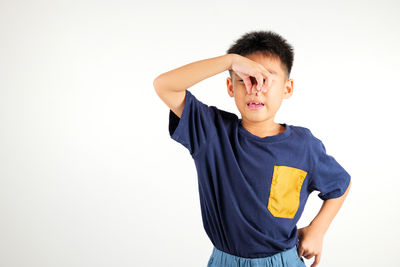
<point x="290" y="253"/>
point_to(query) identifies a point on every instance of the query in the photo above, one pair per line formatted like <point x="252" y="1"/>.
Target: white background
<point x="89" y="175"/>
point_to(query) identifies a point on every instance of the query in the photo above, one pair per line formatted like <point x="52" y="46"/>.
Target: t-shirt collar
<point x="267" y="139"/>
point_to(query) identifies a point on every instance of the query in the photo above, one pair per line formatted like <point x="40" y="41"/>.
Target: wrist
<point x="318" y="227"/>
<point x="231" y="59"/>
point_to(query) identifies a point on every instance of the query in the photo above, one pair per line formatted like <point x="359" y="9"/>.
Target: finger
<point x="264" y="88"/>
<point x="248" y="84"/>
<point x="266" y="78"/>
<point x="254" y="87"/>
<point x="300" y="251"/>
<point x="316" y="260"/>
<point x="260" y="81"/>
<point x="307" y="255"/>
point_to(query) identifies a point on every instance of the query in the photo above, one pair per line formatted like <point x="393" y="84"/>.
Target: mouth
<point x="253" y="105"/>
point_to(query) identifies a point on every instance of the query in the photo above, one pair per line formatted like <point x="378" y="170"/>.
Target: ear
<point x="229" y="85"/>
<point x="288" y="88"/>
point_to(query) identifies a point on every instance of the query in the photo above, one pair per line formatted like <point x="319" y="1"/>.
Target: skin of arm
<point x="181" y="78"/>
<point x="311" y="237"/>
<point x="171" y="86"/>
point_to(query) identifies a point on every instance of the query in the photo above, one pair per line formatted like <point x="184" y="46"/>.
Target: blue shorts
<point x="287" y="258"/>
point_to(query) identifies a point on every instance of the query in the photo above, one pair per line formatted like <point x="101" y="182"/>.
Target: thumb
<point x="300" y="251"/>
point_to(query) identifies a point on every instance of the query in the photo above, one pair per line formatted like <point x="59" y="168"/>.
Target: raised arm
<point x="171" y="86"/>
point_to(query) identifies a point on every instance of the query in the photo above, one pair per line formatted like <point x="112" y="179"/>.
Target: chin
<point x="256" y="117"/>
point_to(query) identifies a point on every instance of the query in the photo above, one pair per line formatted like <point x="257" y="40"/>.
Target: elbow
<point x="158" y="83"/>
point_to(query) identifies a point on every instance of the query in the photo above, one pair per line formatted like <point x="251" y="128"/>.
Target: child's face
<point x="281" y="88"/>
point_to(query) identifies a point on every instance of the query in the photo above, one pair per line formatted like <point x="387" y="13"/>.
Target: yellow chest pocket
<point x="284" y="197"/>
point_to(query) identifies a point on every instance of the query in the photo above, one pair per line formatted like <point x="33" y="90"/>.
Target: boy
<point x="254" y="175"/>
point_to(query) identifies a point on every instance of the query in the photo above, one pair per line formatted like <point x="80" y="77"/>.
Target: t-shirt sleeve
<point x="327" y="176"/>
<point x="195" y="127"/>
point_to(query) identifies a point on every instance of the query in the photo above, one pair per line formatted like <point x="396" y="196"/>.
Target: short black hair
<point x="268" y="43"/>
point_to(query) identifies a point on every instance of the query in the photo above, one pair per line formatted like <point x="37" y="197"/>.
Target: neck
<point x="263" y="128"/>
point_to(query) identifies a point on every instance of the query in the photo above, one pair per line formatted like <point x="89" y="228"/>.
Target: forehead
<point x="271" y="63"/>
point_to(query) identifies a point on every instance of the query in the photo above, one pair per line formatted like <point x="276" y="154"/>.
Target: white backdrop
<point x="89" y="175"/>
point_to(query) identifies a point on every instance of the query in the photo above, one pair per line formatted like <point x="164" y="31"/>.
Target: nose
<point x="254" y="89"/>
<point x="254" y="84"/>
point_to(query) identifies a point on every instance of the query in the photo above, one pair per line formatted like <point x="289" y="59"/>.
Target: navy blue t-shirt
<point x="253" y="190"/>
